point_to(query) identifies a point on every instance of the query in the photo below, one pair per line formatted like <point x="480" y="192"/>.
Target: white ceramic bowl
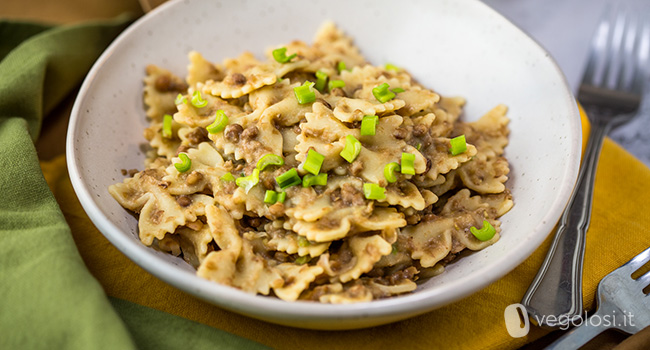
<point x="456" y="47"/>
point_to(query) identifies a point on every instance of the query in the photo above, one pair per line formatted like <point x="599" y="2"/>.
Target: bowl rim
<point x="312" y="315"/>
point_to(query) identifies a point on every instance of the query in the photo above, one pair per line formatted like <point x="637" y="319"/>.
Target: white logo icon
<point x="517" y="322"/>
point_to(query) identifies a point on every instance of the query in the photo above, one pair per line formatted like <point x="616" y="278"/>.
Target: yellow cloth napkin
<point x="617" y="233"/>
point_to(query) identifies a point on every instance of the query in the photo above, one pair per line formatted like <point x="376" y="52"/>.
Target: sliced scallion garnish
<point x="352" y="149"/>
<point x="458" y="145"/>
<point x="485" y="233"/>
<point x="304" y="93"/>
<point x="407" y="166"/>
<point x="373" y="191"/>
<point x="281" y="197"/>
<point x="197" y="101"/>
<point x="333" y="84"/>
<point x="227" y="177"/>
<point x="321" y="80"/>
<point x="247" y="182"/>
<point x="288" y="179"/>
<point x="220" y="122"/>
<point x="270" y="197"/>
<point x="167" y="126"/>
<point x="389" y="171"/>
<point x="185" y="164"/>
<point x="382" y="93"/>
<point x="180" y="99"/>
<point x="314" y="180"/>
<point x="313" y="162"/>
<point x="280" y="55"/>
<point x="269" y="159"/>
<point x="369" y="125"/>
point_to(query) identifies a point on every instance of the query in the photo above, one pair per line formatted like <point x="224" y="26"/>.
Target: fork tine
<point x="597" y="48"/>
<point x="641" y="54"/>
<point x="636" y="262"/>
<point x="613" y="48"/>
<point x="628" y="52"/>
<point x="644" y="280"/>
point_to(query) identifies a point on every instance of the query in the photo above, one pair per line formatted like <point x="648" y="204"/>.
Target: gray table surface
<point x="564" y="28"/>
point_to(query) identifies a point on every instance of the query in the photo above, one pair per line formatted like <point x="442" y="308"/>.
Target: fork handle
<point x="581" y="334"/>
<point x="556" y="291"/>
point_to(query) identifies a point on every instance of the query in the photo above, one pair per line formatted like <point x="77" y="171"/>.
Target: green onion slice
<point x="418" y="147"/>
<point x="167" y="126"/>
<point x="407" y="166"/>
<point x="288" y="179"/>
<point x="313" y="162"/>
<point x="247" y="182"/>
<point x="303" y="242"/>
<point x="458" y="145"/>
<point x="321" y="80"/>
<point x="333" y="84"/>
<point x="389" y="171"/>
<point x="314" y="180"/>
<point x="197" y="101"/>
<point x="397" y="90"/>
<point x="280" y="55"/>
<point x="185" y="164"/>
<point x="304" y="93"/>
<point x="281" y="197"/>
<point x="227" y="177"/>
<point x="270" y="197"/>
<point x="180" y="99"/>
<point x="220" y="122"/>
<point x="485" y="233"/>
<point x="341" y="67"/>
<point x="269" y="159"/>
<point x="369" y="125"/>
<point x="382" y="94"/>
<point x="351" y="150"/>
<point x="390" y="66"/>
<point x="373" y="191"/>
<point x="302" y="260"/>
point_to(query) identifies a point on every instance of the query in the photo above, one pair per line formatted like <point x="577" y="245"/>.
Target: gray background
<point x="564" y="28"/>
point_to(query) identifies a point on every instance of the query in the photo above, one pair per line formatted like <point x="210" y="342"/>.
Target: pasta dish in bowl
<point x="364" y="174"/>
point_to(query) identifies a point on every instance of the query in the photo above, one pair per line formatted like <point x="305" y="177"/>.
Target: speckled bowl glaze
<point x="456" y="47"/>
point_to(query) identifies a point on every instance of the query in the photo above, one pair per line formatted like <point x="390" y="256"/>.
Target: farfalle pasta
<point x="314" y="175"/>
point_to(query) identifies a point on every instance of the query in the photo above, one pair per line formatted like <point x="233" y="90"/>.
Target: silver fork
<point x="610" y="92"/>
<point x="622" y="304"/>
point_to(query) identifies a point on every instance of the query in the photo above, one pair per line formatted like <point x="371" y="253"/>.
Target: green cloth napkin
<point x="48" y="299"/>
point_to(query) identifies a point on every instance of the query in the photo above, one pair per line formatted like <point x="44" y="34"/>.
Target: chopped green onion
<point x="458" y="145"/>
<point x="397" y="90"/>
<point x="333" y="84"/>
<point x="281" y="197"/>
<point x="373" y="191"/>
<point x="185" y="164"/>
<point x="227" y="177"/>
<point x="197" y="101"/>
<point x="220" y="122"/>
<point x="389" y="171"/>
<point x="368" y="125"/>
<point x="382" y="94"/>
<point x="407" y="166"/>
<point x="418" y="146"/>
<point x="303" y="242"/>
<point x="314" y="180"/>
<point x="180" y="99"/>
<point x="278" y="80"/>
<point x="351" y="150"/>
<point x="269" y="159"/>
<point x="313" y="162"/>
<point x="485" y="233"/>
<point x="304" y="93"/>
<point x="302" y="260"/>
<point x="288" y="179"/>
<point x="167" y="126"/>
<point x="341" y="67"/>
<point x="280" y="55"/>
<point x="390" y="66"/>
<point x="395" y="249"/>
<point x="247" y="182"/>
<point x="321" y="80"/>
<point x="270" y="197"/>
